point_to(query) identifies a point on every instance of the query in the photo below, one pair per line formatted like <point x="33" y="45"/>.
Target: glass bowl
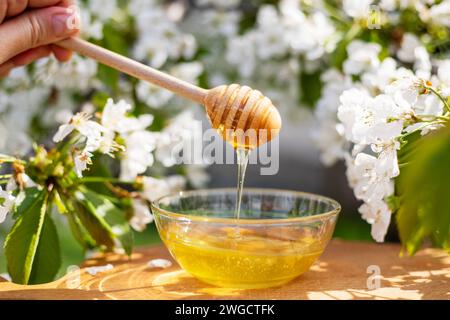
<point x="278" y="237"/>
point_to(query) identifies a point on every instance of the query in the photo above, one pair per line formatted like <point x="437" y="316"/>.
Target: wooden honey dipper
<point x="231" y="109"/>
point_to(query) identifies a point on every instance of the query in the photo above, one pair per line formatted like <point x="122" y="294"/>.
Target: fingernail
<point x="64" y="24"/>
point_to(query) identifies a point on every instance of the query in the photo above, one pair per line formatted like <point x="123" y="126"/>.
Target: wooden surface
<point x="341" y="273"/>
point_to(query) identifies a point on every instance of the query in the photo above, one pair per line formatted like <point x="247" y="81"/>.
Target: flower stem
<point x="447" y="106"/>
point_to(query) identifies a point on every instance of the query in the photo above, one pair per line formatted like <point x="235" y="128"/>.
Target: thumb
<point x="36" y="28"/>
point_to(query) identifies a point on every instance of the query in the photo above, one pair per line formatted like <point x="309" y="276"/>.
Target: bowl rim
<point x="154" y="205"/>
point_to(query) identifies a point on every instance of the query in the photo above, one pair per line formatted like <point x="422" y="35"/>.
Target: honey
<point x="242" y="161"/>
<point x="250" y="261"/>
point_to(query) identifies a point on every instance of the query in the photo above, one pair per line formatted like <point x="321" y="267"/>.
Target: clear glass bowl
<point x="279" y="236"/>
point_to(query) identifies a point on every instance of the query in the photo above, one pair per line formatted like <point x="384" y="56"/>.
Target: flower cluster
<point x="377" y="99"/>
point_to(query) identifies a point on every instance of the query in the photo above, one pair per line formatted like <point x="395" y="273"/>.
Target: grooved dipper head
<point x="243" y="116"/>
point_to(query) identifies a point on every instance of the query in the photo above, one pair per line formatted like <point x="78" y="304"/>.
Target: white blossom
<point x="269" y="40"/>
<point x="241" y="53"/>
<point x="371" y="177"/>
<point x="153" y="190"/>
<point x="408" y="47"/>
<point x="443" y="72"/>
<point x="362" y="56"/>
<point x="440" y="13"/>
<point x="81" y="161"/>
<point x="212" y="23"/>
<point x="102" y="9"/>
<point x="142" y="215"/>
<point x="157" y="188"/>
<point x="138" y="156"/>
<point x="161" y="39"/>
<point x="7" y="201"/>
<point x="406" y="90"/>
<point x="78" y="73"/>
<point x="115" y="118"/>
<point x="159" y="264"/>
<point x="422" y="64"/>
<point x="80" y="122"/>
<point x="377" y="79"/>
<point x="367" y="120"/>
<point x="219" y="3"/>
<point x="152" y="95"/>
<point x="378" y="215"/>
<point x="329" y="133"/>
<point x="182" y="133"/>
<point x="357" y="8"/>
<point x="314" y="35"/>
<point x="188" y="71"/>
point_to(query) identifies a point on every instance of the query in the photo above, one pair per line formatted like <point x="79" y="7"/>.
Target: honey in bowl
<point x="281" y="233"/>
<point x="249" y="262"/>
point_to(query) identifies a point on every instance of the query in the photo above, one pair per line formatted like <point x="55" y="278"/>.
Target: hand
<point x="28" y="29"/>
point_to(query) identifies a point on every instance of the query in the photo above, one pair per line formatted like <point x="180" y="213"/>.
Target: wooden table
<point x="341" y="273"/>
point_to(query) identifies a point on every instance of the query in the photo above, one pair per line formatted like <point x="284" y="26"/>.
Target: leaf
<point x="114" y="216"/>
<point x="30" y="196"/>
<point x="32" y="247"/>
<point x="48" y="255"/>
<point x="311" y="88"/>
<point x="79" y="232"/>
<point x="339" y="55"/>
<point x="59" y="202"/>
<point x="96" y="226"/>
<point x="424" y="191"/>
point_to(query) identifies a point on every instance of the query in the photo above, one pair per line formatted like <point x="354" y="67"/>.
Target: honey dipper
<point x="232" y="109"/>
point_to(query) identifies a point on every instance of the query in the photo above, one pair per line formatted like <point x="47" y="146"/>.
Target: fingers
<point x="6" y="68"/>
<point x="24" y="58"/>
<point x="32" y="55"/>
<point x="48" y="3"/>
<point x="14" y="7"/>
<point x="34" y="29"/>
<point x="11" y="8"/>
<point x="61" y="54"/>
<point x="3" y="10"/>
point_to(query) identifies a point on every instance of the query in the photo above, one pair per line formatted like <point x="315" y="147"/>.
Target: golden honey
<point x="242" y="260"/>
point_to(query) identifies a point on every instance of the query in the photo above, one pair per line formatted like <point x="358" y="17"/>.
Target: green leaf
<point x="423" y="188"/>
<point x="32" y="247"/>
<point x="338" y="56"/>
<point x="79" y="232"/>
<point x="30" y="196"/>
<point x="100" y="168"/>
<point x="311" y="88"/>
<point x="114" y="217"/>
<point x="59" y="202"/>
<point x="48" y="255"/>
<point x="95" y="225"/>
